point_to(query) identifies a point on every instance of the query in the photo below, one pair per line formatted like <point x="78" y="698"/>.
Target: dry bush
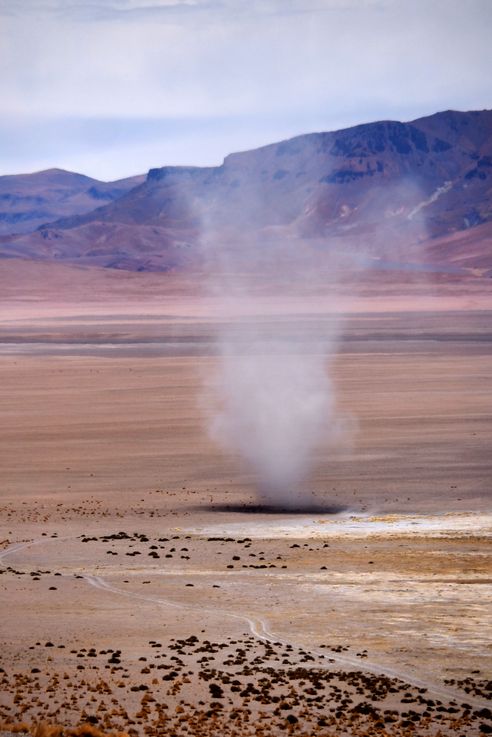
<point x="15" y="728"/>
<point x="43" y="729"/>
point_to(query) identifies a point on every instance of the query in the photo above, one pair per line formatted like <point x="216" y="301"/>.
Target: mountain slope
<point x="29" y="200"/>
<point x="380" y="188"/>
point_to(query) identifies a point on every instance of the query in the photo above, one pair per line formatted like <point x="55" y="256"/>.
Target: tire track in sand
<point x="259" y="629"/>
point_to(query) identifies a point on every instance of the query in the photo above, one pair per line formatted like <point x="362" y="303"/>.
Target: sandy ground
<point x="144" y="589"/>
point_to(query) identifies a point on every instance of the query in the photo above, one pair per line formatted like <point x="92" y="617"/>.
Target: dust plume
<point x="274" y="397"/>
<point x="275" y="407"/>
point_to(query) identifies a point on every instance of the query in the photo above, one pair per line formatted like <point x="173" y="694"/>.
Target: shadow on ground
<point x="258" y="508"/>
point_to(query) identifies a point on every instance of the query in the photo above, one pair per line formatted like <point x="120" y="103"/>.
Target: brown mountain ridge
<point x="29" y="200"/>
<point x="397" y="192"/>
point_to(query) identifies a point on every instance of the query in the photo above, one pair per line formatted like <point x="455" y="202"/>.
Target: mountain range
<point x="405" y="193"/>
<point x="29" y="200"/>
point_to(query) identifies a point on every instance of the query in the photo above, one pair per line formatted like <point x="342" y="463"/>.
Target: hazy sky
<point x="113" y="87"/>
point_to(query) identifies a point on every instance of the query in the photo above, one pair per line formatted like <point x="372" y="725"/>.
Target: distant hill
<point x="386" y="189"/>
<point x="29" y="200"/>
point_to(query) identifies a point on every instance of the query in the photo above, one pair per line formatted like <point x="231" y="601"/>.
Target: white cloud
<point x="283" y="60"/>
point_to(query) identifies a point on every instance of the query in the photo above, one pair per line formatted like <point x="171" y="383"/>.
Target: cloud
<point x="273" y="63"/>
<point x="106" y="10"/>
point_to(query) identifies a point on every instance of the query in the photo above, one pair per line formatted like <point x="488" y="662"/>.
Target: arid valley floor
<point x="142" y="587"/>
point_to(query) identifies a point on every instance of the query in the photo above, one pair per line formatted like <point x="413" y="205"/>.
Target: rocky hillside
<point x="396" y="191"/>
<point x="29" y="200"/>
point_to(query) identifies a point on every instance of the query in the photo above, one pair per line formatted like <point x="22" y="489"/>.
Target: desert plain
<point x="146" y="590"/>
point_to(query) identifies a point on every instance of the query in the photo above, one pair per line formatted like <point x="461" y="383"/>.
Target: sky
<point x="111" y="88"/>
